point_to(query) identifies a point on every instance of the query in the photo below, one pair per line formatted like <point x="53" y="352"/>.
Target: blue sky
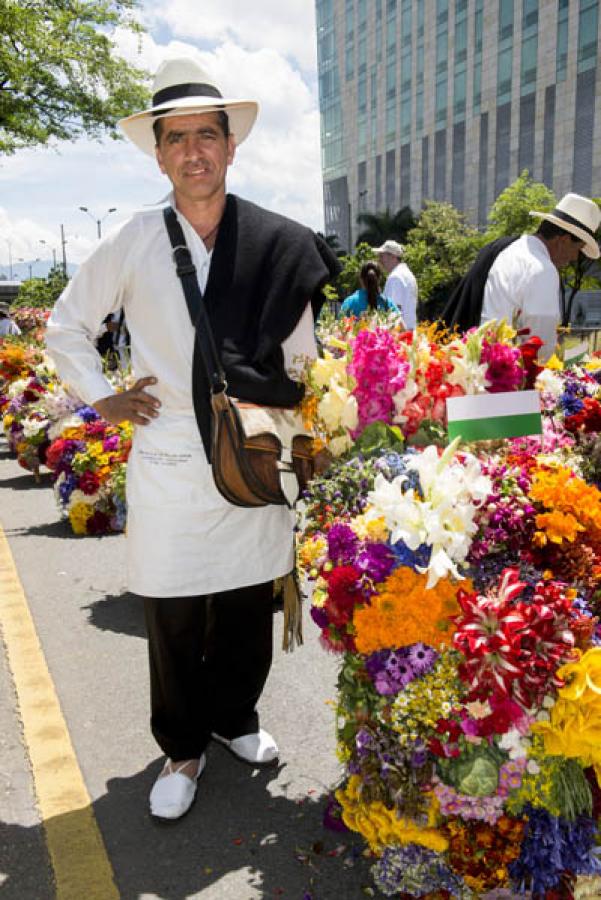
<point x="264" y="51"/>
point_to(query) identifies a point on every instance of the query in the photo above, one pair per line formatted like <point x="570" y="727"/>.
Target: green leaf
<point x="377" y="437"/>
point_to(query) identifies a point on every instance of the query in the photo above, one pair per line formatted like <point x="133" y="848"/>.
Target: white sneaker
<point x="258" y="749"/>
<point x="173" y="794"/>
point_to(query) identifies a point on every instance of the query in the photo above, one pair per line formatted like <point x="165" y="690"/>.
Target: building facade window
<point x="483" y="171"/>
<point x="425" y="169"/>
<point x="405" y="179"/>
<point x="561" y="56"/>
<point x="442" y="62"/>
<point x="549" y="135"/>
<point x="458" y="166"/>
<point x="440" y="164"/>
<point x="588" y="26"/>
<point x="390" y="180"/>
<point x="478" y="44"/>
<point x="502" y="148"/>
<point x="378" y="185"/>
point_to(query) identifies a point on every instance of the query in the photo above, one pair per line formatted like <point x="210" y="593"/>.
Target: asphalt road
<point x="251" y="834"/>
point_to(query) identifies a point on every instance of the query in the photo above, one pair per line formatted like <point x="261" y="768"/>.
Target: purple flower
<point x="377" y="561"/>
<point x="66" y="488"/>
<point x="87" y="414"/>
<point x="391" y="670"/>
<point x="342" y="544"/>
<point x="422" y="658"/>
<point x="110" y="443"/>
<point x="320" y="616"/>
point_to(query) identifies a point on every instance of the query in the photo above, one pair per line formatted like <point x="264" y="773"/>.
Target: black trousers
<point x="209" y="660"/>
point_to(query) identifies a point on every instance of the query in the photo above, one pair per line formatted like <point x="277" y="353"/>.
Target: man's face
<point x="566" y="251"/>
<point x="388" y="261"/>
<point x="194" y="154"/>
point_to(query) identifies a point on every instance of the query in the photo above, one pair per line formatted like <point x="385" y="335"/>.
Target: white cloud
<point x="287" y="27"/>
<point x="278" y="166"/>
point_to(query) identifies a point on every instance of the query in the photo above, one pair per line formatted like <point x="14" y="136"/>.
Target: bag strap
<point x="186" y="271"/>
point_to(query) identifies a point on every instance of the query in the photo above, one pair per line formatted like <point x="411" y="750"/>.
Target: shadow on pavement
<point x="238" y="842"/>
<point x="121" y="613"/>
<point x="58" y="529"/>
<point x="26" y="482"/>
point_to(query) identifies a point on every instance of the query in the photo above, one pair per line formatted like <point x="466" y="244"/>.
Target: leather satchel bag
<point x="260" y="455"/>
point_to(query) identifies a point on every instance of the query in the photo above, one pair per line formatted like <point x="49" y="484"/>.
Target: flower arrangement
<point x="460" y="592"/>
<point x="24" y="420"/>
<point x="376" y="373"/>
<point x="88" y="457"/>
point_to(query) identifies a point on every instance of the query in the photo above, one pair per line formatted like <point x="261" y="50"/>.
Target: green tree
<point x="510" y="213"/>
<point x="42" y="292"/>
<point x="439" y="250"/>
<point x="382" y="226"/>
<point x="60" y="75"/>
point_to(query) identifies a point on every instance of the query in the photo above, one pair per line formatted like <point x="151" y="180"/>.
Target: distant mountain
<point x="39" y="269"/>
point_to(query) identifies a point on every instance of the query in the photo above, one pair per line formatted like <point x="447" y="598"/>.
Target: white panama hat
<point x="392" y="247"/>
<point x="182" y="87"/>
<point x="580" y="216"/>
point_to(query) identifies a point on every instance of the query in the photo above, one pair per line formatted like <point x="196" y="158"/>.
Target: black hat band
<point x="178" y="91"/>
<point x="571" y="221"/>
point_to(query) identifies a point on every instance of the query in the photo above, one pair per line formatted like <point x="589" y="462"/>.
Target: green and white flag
<point x="574" y="355"/>
<point x="488" y="417"/>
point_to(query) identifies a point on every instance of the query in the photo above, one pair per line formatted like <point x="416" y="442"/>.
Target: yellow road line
<point x="82" y="869"/>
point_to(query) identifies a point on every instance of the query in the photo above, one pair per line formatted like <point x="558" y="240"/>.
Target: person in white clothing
<point x="401" y="286"/>
<point x="523" y="284"/>
<point x="204" y="567"/>
<point x="8" y="328"/>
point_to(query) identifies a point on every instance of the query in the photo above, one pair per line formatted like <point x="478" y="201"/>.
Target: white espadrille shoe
<point x="258" y="749"/>
<point x="173" y="793"/>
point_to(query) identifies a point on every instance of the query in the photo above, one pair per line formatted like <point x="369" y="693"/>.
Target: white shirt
<point x="8" y="327"/>
<point x="523" y="288"/>
<point x="183" y="537"/>
<point x="401" y="288"/>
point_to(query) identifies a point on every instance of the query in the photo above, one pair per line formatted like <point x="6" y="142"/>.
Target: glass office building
<point x="452" y="99"/>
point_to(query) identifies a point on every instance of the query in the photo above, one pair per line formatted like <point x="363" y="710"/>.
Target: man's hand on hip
<point x="135" y="404"/>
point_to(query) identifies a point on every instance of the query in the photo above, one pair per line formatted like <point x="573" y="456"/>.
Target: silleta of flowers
<point x="89" y="458"/>
<point x="461" y="588"/>
<point x="46" y="425"/>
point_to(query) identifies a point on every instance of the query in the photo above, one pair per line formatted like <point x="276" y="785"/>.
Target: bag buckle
<point x="186" y="268"/>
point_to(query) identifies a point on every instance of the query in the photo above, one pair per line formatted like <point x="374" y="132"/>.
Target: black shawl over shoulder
<point x="264" y="270"/>
<point x="464" y="307"/>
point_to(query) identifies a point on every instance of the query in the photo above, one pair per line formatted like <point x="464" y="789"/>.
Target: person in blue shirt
<point x="368" y="298"/>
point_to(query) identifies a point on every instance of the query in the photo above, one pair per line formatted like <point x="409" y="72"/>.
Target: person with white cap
<point x="401" y="286"/>
<point x="8" y="328"/>
<point x="522" y="284"/>
<point x="204" y="567"/>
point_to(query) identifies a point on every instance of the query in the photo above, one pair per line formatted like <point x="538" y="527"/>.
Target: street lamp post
<point x="98" y="221"/>
<point x="53" y="252"/>
<point x="31" y="265"/>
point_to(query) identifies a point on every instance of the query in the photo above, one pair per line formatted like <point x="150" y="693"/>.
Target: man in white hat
<point x="8" y="328"/>
<point x="401" y="286"/>
<point x="522" y="285"/>
<point x="204" y="567"/>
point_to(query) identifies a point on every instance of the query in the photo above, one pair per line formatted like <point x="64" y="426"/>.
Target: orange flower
<point x="559" y="526"/>
<point x="405" y="612"/>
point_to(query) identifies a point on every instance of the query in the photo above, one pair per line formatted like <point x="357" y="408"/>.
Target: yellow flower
<point x="78" y="517"/>
<point x="574" y="726"/>
<point x="554" y="363"/>
<point x="370" y="529"/>
<point x="381" y="827"/>
<point x="327" y="370"/>
<point x="312" y="552"/>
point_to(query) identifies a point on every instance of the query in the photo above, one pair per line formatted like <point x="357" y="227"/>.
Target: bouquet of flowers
<point x="17" y="361"/>
<point x="462" y="594"/>
<point x="88" y="457"/>
<point x="24" y="420"/>
<point x="373" y="373"/>
<point x="32" y="320"/>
